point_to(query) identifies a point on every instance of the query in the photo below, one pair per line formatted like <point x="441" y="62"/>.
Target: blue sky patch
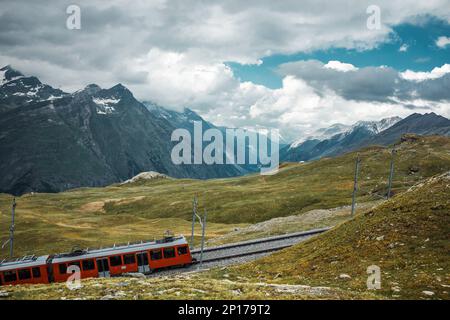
<point x="422" y="54"/>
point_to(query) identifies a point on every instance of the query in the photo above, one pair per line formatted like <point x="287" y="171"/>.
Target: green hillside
<point x="407" y="237"/>
<point x="92" y="217"/>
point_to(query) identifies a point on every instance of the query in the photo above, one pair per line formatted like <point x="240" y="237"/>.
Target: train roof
<point x="32" y="261"/>
<point x="121" y="249"/>
<point x="25" y="262"/>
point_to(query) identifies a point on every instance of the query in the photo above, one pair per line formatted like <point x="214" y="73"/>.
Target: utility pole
<point x="194" y="213"/>
<point x="391" y="174"/>
<point x="11" y="229"/>
<point x="203" y="238"/>
<point x="355" y="184"/>
<point x="203" y="225"/>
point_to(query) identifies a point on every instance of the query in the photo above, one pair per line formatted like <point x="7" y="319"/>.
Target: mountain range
<point x="339" y="138"/>
<point x="51" y="140"/>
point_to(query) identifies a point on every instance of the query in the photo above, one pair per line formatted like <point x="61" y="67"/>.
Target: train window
<point x="24" y="274"/>
<point x="115" y="261"/>
<point x="129" y="259"/>
<point x="10" y="276"/>
<point x="169" y="252"/>
<point x="155" y="254"/>
<point x="36" y="272"/>
<point x="62" y="268"/>
<point x="88" y="265"/>
<point x="182" y="250"/>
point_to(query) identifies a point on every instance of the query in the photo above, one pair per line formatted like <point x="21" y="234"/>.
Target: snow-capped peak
<point x="8" y="74"/>
<point x="323" y="134"/>
<point x="343" y="130"/>
<point x="377" y="126"/>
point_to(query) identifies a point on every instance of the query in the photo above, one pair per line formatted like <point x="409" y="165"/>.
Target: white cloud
<point x="298" y="109"/>
<point x="178" y="80"/>
<point x="436" y="73"/>
<point x="312" y="97"/>
<point x="115" y="32"/>
<point x="443" y="42"/>
<point x="403" y="48"/>
<point x="340" y="66"/>
<point x="174" y="52"/>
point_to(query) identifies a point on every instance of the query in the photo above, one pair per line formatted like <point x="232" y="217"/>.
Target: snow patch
<point x="105" y="102"/>
<point x="2" y="77"/>
<point x="105" y="105"/>
<point x="106" y="110"/>
<point x="52" y="97"/>
<point x="4" y="80"/>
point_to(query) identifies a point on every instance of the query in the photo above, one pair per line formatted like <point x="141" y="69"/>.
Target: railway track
<point x="219" y="256"/>
<point x="253" y="247"/>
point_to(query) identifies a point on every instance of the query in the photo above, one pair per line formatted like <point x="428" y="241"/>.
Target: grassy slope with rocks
<point x="91" y="217"/>
<point x="407" y="237"/>
<point x="317" y="218"/>
<point x="187" y="286"/>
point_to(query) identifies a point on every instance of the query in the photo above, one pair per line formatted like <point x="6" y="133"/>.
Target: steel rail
<point x="263" y="240"/>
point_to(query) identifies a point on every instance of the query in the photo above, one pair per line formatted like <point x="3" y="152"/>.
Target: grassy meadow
<point x="93" y="217"/>
<point x="407" y="237"/>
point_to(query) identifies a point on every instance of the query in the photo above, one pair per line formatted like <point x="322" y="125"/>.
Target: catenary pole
<point x="203" y="239"/>
<point x="194" y="212"/>
<point x="355" y="184"/>
<point x="391" y="174"/>
<point x="11" y="229"/>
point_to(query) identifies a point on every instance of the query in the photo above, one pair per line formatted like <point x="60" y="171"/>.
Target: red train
<point x="142" y="257"/>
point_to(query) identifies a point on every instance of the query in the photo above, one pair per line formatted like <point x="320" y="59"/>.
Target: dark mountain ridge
<point x="362" y="134"/>
<point x="52" y="141"/>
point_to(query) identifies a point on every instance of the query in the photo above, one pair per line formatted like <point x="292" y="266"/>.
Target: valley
<point x="145" y="209"/>
<point x="406" y="237"/>
<point x="235" y="151"/>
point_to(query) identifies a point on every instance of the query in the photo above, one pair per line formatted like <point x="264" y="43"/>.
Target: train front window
<point x="24" y="274"/>
<point x="169" y="252"/>
<point x="62" y="268"/>
<point x="182" y="250"/>
<point x="155" y="254"/>
<point x="115" y="261"/>
<point x="129" y="259"/>
<point x="36" y="272"/>
<point x="88" y="265"/>
<point x="10" y="276"/>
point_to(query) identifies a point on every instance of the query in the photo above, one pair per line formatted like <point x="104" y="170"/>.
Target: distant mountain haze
<point x="362" y="134"/>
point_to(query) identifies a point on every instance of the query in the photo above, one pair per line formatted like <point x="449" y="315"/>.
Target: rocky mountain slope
<point x="362" y="134"/>
<point x="52" y="141"/>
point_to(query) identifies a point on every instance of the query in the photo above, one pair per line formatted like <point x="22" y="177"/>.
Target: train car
<point x="144" y="257"/>
<point x="29" y="269"/>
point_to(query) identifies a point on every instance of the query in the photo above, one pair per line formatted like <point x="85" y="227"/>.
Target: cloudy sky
<point x="293" y="65"/>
